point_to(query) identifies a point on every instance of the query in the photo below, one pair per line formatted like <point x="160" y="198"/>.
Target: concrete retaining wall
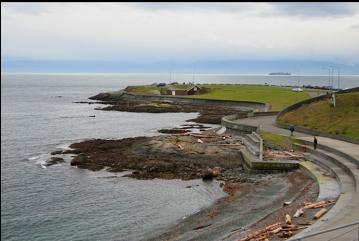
<point x="241" y="105"/>
<point x="267" y="113"/>
<point x="308" y="172"/>
<point x="228" y="121"/>
<point x="254" y="165"/>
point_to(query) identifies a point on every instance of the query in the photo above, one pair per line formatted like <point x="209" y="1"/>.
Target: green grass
<point x="278" y="141"/>
<point x="277" y="97"/>
<point x="342" y="120"/>
<point x="181" y="87"/>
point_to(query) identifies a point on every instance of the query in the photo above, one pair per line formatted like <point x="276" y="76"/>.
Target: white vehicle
<point x="297" y="89"/>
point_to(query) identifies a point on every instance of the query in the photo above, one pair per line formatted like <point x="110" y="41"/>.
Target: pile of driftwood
<point x="321" y="205"/>
<point x="199" y="135"/>
<point x="288" y="228"/>
<point x="281" y="155"/>
<point x="281" y="230"/>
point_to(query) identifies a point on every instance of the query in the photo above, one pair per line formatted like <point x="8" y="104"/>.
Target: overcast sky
<point x="180" y="31"/>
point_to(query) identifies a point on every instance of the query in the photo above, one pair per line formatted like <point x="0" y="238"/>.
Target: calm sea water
<point x="65" y="203"/>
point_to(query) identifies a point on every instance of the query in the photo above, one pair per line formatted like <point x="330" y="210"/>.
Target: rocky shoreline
<point x="253" y="200"/>
<point x="208" y="114"/>
<point x="185" y="156"/>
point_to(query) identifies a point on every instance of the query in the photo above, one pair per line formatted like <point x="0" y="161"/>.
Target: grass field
<point x="277" y="97"/>
<point x="279" y="142"/>
<point x="341" y="120"/>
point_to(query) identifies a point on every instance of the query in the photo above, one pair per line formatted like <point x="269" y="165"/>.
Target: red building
<point x="190" y="91"/>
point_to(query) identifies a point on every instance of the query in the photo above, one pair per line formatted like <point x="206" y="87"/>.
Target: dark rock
<point x="71" y="152"/>
<point x="153" y="157"/>
<point x="81" y="159"/>
<point x="173" y="131"/>
<point x="115" y="169"/>
<point x="56" y="152"/>
<point x="207" y="175"/>
<point x="202" y="226"/>
<point x="96" y="168"/>
<point x="54" y="160"/>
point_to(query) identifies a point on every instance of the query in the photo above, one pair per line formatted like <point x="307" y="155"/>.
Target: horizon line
<point x="157" y="73"/>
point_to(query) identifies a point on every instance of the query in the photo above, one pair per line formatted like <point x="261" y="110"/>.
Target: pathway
<point x="267" y="123"/>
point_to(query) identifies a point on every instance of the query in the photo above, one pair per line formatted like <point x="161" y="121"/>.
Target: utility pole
<point x="331" y="76"/>
<point x="332" y="83"/>
<point x="338" y="77"/>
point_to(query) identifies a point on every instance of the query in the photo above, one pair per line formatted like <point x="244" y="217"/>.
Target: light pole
<point x="338" y="77"/>
<point x="328" y="76"/>
<point x="331" y="78"/>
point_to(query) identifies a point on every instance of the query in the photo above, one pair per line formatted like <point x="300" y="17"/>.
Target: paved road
<point x="347" y="215"/>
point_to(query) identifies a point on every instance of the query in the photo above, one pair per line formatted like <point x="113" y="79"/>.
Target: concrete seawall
<point x="240" y="105"/>
<point x="230" y="123"/>
<point x="253" y="165"/>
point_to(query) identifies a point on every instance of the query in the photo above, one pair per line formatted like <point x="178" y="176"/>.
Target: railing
<point x="353" y="230"/>
<point x="260" y="145"/>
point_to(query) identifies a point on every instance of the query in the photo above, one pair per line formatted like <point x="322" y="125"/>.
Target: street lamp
<point x="332" y="76"/>
<point x="328" y="75"/>
<point x="338" y="77"/>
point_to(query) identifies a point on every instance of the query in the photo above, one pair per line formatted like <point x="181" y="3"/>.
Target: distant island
<point x="280" y="73"/>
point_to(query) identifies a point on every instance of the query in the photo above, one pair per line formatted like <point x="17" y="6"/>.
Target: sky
<point x="163" y="34"/>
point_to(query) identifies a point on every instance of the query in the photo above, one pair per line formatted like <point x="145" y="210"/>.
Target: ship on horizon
<point x="279" y="73"/>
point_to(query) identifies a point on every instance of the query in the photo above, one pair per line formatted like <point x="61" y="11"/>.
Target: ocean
<point x="60" y="202"/>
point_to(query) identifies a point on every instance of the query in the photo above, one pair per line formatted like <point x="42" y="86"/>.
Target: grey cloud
<point x="198" y="6"/>
<point x="354" y="26"/>
<point x="27" y="7"/>
<point x="316" y="9"/>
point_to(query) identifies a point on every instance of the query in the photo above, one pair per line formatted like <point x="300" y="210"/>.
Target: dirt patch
<point x="231" y="188"/>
